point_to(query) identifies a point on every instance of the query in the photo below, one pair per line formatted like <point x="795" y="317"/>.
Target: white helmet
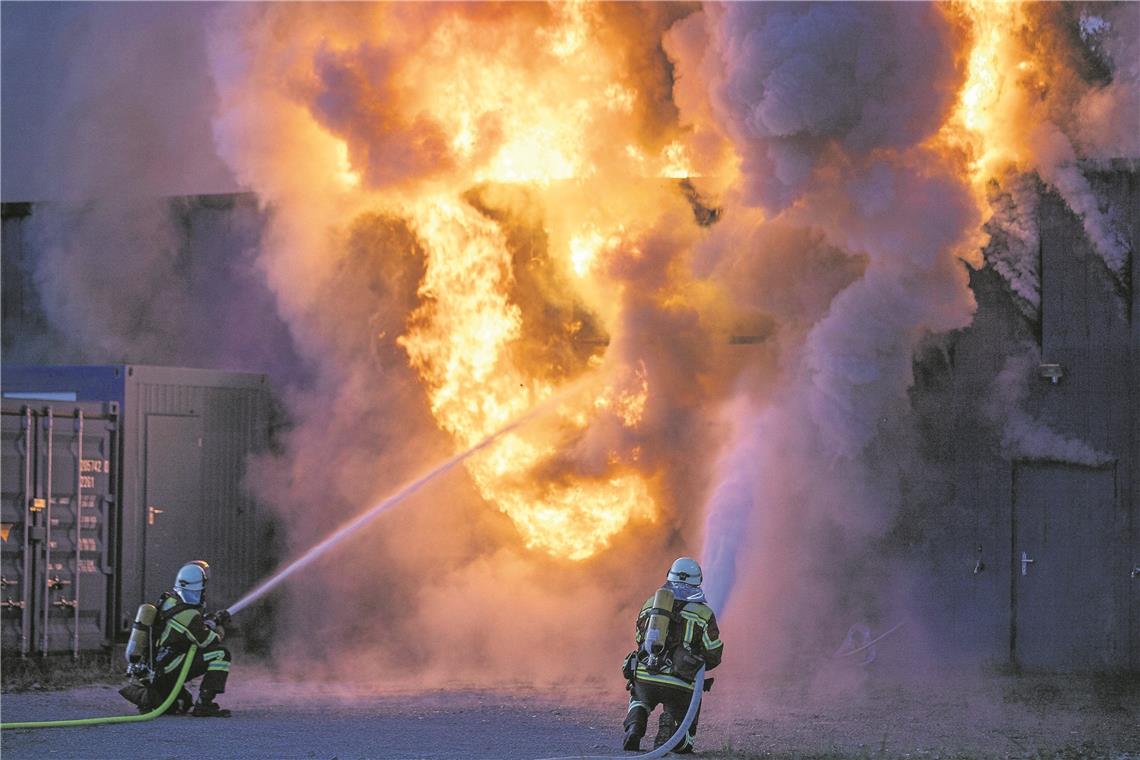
<point x="190" y="584"/>
<point x="685" y="570"/>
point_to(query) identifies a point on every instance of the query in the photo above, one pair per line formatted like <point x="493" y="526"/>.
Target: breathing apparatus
<point x="657" y="629"/>
<point x="140" y="646"/>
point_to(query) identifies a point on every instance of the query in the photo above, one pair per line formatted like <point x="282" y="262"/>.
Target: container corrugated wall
<point x="58" y="507"/>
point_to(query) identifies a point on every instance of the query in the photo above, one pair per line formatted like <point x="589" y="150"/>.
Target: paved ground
<point x="943" y="716"/>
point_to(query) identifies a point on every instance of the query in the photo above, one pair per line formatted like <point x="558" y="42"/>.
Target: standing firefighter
<point x="676" y="634"/>
<point x="178" y="624"/>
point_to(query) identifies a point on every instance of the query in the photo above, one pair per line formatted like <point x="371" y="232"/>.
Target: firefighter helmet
<point x="685" y="570"/>
<point x="190" y="584"/>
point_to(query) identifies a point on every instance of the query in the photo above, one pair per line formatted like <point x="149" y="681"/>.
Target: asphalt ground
<point x="943" y="716"/>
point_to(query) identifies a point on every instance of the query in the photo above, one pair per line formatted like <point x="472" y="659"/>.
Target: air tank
<point x="657" y="628"/>
<point x="138" y="645"/>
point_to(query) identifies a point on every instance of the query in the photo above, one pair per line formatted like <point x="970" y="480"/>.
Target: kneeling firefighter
<point x="162" y="636"/>
<point x="676" y="633"/>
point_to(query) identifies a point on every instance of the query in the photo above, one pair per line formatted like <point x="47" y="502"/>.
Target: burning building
<point x="788" y="275"/>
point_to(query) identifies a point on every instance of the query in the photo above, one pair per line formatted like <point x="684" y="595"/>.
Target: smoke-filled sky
<point x="727" y="227"/>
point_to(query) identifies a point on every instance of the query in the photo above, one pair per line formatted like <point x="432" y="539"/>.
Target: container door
<point x="76" y="587"/>
<point x="1134" y="592"/>
<point x="85" y="451"/>
<point x="173" y="489"/>
<point x="17" y="558"/>
<point x="1063" y="589"/>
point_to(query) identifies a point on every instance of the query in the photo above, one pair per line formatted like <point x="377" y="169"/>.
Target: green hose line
<point x="166" y="703"/>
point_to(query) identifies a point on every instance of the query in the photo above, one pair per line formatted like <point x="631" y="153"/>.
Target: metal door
<point x="173" y="488"/>
<point x="1065" y="615"/>
<point x="19" y="528"/>
<point x="1133" y="592"/>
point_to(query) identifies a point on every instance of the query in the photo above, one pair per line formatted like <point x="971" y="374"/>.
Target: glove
<point x="221" y="617"/>
<point x="213" y="625"/>
<point x="629" y="666"/>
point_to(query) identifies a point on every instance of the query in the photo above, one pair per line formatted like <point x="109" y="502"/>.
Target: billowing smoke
<point x="1013" y="250"/>
<point x="1086" y="119"/>
<point x="841" y="116"/>
<point x="829" y="107"/>
<point x="1023" y="435"/>
<point x="104" y="139"/>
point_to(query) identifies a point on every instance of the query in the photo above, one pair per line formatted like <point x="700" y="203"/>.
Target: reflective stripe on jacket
<point x="181" y="629"/>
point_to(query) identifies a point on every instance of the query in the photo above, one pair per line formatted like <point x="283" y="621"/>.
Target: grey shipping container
<point x="55" y="526"/>
<point x="174" y="483"/>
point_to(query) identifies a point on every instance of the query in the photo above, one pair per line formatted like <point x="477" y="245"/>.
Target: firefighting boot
<point x="685" y="747"/>
<point x="206" y="707"/>
<point x="143" y="696"/>
<point x="181" y="704"/>
<point x="632" y="740"/>
<point x="666" y="726"/>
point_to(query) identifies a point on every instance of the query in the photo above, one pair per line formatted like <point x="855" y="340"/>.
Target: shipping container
<point x="166" y="486"/>
<point x="56" y="523"/>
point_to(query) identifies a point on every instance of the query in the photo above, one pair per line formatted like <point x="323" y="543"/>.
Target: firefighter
<point x="676" y="633"/>
<point x="180" y="623"/>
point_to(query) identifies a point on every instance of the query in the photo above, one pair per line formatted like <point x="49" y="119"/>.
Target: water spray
<point x="398" y="496"/>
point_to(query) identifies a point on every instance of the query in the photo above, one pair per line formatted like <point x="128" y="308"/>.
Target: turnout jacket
<point x="182" y="625"/>
<point x="693" y="628"/>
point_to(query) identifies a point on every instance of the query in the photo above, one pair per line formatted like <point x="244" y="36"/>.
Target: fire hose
<point x="674" y="740"/>
<point x="166" y="703"/>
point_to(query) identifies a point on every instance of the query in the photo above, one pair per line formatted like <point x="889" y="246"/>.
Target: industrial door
<point x="173" y="490"/>
<point x="1066" y="549"/>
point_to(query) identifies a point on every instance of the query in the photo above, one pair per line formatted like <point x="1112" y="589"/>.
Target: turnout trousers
<point x="674" y="701"/>
<point x="213" y="663"/>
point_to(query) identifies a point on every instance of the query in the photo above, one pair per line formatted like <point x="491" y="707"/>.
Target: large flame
<point x="985" y="133"/>
<point x="460" y="343"/>
<point x="464" y="337"/>
<point x="987" y="126"/>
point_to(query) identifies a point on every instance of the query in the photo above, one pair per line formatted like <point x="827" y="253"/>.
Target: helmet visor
<point x="190" y="595"/>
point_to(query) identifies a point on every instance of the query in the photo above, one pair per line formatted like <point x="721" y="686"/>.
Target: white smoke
<point x="1108" y="116"/>
<point x="827" y="107"/>
<point x="1087" y="115"/>
<point x="1057" y="163"/>
<point x="125" y="113"/>
<point x="108" y="140"/>
<point x="1013" y="250"/>
<point x="1024" y="436"/>
<point x="795" y="86"/>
